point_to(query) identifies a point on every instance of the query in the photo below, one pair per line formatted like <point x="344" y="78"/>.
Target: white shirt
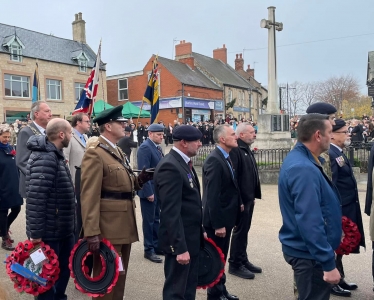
<point x="109" y="142"/>
<point x="184" y="156"/>
<point x="41" y="129"/>
<point x="340" y="149"/>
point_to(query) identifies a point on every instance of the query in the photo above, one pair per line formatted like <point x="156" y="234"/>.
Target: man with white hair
<point x="249" y="187"/>
<point x="40" y="116"/>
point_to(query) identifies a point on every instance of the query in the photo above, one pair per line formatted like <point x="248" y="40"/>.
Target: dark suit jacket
<point x="344" y="180"/>
<point x="126" y="143"/>
<point x="357" y="133"/>
<point x="246" y="172"/>
<point x="221" y="199"/>
<point x="23" y="155"/>
<point x="181" y="213"/>
<point x="369" y="186"/>
<point x="148" y="157"/>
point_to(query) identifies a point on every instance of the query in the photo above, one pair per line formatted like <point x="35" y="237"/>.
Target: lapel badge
<point x="340" y="160"/>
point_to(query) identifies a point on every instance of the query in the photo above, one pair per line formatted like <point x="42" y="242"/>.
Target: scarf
<point x="5" y="146"/>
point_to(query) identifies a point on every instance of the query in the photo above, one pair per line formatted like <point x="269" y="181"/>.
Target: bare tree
<point x="335" y="89"/>
<point x="310" y="90"/>
<point x="291" y="97"/>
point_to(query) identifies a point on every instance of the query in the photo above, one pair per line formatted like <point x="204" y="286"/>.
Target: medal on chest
<point x="340" y="160"/>
<point x="190" y="180"/>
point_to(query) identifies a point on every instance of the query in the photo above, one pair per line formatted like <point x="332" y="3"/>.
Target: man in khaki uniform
<point x="107" y="195"/>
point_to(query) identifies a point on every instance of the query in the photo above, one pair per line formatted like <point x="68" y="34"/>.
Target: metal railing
<point x="270" y="159"/>
<point x="358" y="155"/>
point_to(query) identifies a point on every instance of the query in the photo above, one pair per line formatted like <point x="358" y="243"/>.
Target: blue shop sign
<point x="241" y="109"/>
<point x="202" y="103"/>
<point x="218" y="105"/>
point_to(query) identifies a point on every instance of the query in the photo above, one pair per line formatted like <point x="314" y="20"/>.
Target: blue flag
<point x="151" y="95"/>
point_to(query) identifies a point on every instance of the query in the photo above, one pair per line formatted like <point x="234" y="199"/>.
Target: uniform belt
<point x="117" y="196"/>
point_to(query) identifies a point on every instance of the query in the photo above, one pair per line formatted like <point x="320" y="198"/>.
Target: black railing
<point x="265" y="158"/>
<point x="358" y="155"/>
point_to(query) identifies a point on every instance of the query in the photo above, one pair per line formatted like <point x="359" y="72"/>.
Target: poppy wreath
<point x="101" y="284"/>
<point x="49" y="270"/>
<point x="211" y="265"/>
<point x="351" y="237"/>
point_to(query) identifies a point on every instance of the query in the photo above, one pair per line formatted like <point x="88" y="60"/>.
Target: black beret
<point x="111" y="114"/>
<point x="339" y="123"/>
<point x="321" y="108"/>
<point x="187" y="133"/>
<point x="128" y="129"/>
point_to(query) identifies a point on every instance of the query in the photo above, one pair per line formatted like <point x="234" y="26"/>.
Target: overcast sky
<point x="132" y="31"/>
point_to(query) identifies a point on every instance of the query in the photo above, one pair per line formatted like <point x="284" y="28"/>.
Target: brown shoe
<point x="7" y="245"/>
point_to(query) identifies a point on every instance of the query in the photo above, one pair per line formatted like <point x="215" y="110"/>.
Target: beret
<point x="128" y="129"/>
<point x="111" y="114"/>
<point x="155" y="128"/>
<point x="187" y="133"/>
<point x="339" y="123"/>
<point x="321" y="108"/>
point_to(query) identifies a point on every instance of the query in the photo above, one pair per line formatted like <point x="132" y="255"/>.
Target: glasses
<point x="345" y="132"/>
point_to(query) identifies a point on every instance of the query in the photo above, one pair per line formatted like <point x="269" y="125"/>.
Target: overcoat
<point x="9" y="180"/>
<point x="344" y="180"/>
<point x="112" y="218"/>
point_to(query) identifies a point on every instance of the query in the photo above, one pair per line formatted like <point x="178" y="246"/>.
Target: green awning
<point x="131" y="111"/>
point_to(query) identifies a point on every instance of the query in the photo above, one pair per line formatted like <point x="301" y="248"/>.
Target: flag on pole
<point x="151" y="95"/>
<point x="88" y="96"/>
<point x="35" y="86"/>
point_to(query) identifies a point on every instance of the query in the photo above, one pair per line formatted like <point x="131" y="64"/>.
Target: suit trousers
<point x="223" y="243"/>
<point x="119" y="289"/>
<point x="180" y="280"/>
<point x="308" y="276"/>
<point x="62" y="248"/>
<point x="239" y="239"/>
<point x="151" y="223"/>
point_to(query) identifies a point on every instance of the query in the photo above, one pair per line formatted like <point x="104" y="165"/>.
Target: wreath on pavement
<point x="101" y="284"/>
<point x="351" y="237"/>
<point x="28" y="277"/>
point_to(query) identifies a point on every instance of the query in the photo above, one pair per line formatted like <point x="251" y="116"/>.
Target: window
<point x="17" y="86"/>
<point x="123" y="93"/>
<point x="230" y="95"/>
<point x="82" y="66"/>
<point x="79" y="87"/>
<point x="15" y="51"/>
<point x="53" y="89"/>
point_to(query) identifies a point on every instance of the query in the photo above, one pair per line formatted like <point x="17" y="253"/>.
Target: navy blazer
<point x="148" y="157"/>
<point x="343" y="178"/>
<point x="221" y="197"/>
<point x="178" y="190"/>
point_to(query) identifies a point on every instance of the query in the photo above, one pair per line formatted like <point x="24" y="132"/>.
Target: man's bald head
<point x="55" y="127"/>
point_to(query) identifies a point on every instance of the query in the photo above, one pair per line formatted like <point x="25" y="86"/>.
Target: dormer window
<point x="15" y="46"/>
<point x="82" y="59"/>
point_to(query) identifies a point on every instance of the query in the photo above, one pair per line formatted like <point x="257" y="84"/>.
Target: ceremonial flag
<point x="151" y="95"/>
<point x="35" y="86"/>
<point x="88" y="96"/>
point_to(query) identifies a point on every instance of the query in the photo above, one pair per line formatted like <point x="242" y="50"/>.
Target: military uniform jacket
<point x="101" y="172"/>
<point x="178" y="190"/>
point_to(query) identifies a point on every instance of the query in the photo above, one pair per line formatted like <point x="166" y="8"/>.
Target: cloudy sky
<point x="321" y="38"/>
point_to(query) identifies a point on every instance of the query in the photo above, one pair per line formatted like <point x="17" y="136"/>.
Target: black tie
<point x="160" y="150"/>
<point x="230" y="162"/>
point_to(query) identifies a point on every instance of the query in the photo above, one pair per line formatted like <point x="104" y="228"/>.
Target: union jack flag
<point x="88" y="95"/>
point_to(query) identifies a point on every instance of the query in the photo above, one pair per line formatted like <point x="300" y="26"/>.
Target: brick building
<point x="63" y="67"/>
<point x="259" y="93"/>
<point x="185" y="93"/>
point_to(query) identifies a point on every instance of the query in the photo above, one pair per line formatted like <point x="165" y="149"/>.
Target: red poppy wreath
<point x="28" y="277"/>
<point x="351" y="237"/>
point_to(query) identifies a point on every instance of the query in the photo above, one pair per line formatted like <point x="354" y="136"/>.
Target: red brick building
<point x="185" y="92"/>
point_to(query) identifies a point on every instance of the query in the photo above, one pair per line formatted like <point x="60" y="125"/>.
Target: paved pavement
<point x="145" y="279"/>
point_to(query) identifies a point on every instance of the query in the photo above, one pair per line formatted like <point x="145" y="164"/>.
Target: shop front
<point x="242" y="112"/>
<point x="201" y="110"/>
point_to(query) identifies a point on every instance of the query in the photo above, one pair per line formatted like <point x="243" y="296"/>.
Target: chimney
<point x="183" y="50"/>
<point x="79" y="29"/>
<point x="221" y="54"/>
<point x="188" y="61"/>
<point x="239" y="62"/>
<point x="251" y="72"/>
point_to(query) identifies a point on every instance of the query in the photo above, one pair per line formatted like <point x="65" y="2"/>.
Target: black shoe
<point x="159" y="252"/>
<point x="230" y="297"/>
<point x="338" y="291"/>
<point x="153" y="257"/>
<point x="347" y="286"/>
<point x="251" y="267"/>
<point x="241" y="272"/>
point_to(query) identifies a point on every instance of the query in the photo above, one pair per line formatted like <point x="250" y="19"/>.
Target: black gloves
<point x="145" y="176"/>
